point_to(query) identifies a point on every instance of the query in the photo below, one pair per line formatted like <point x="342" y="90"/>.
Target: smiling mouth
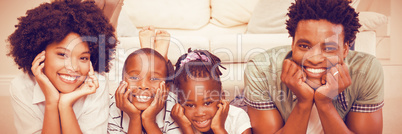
<point x="315" y="70"/>
<point x="202" y="124"/>
<point x="142" y="98"/>
<point x="68" y="79"/>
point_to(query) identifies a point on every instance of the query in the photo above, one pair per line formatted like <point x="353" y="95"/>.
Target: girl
<point x="201" y="108"/>
<point x="142" y="102"/>
<point x="55" y="47"/>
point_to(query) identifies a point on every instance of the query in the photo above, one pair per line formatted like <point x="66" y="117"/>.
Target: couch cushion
<point x="243" y="47"/>
<point x="228" y="13"/>
<point x="181" y="14"/>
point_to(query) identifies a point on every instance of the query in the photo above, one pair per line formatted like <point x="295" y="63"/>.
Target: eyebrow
<point x="303" y="41"/>
<point x="65" y="49"/>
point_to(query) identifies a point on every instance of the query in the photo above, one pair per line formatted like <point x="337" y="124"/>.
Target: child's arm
<point x="178" y="116"/>
<point x="51" y="121"/>
<point x="148" y="117"/>
<point x="218" y="121"/>
<point x="126" y="106"/>
<point x="69" y="123"/>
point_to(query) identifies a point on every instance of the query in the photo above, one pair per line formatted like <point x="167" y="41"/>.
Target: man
<point x="316" y="85"/>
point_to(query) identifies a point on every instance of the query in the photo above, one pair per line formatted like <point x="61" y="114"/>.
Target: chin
<point x="66" y="88"/>
<point x="140" y="105"/>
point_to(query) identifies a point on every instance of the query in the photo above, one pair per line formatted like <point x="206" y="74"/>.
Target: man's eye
<point x="330" y="49"/>
<point x="304" y="46"/>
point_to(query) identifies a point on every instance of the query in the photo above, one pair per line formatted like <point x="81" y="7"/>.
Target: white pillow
<point x="228" y="13"/>
<point x="371" y="20"/>
<point x="180" y="14"/>
<point x="269" y="16"/>
<point x="125" y="28"/>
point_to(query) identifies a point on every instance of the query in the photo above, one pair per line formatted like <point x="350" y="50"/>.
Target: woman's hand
<point x="218" y="121"/>
<point x="294" y="78"/>
<point x="337" y="80"/>
<point x="89" y="86"/>
<point x="50" y="92"/>
<point x="123" y="103"/>
<point x="157" y="104"/>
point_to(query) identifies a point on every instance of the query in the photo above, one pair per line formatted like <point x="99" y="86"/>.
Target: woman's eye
<point x="155" y="79"/>
<point x="62" y="54"/>
<point x="84" y="58"/>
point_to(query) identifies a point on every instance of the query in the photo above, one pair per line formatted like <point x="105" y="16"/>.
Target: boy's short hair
<point x="52" y="22"/>
<point x="334" y="11"/>
<point x="149" y="51"/>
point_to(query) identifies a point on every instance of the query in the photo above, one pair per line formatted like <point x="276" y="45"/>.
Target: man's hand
<point x="294" y="78"/>
<point x="337" y="80"/>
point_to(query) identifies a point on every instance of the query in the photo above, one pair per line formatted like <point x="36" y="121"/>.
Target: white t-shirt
<point x="236" y="122"/>
<point x="28" y="102"/>
<point x="165" y="122"/>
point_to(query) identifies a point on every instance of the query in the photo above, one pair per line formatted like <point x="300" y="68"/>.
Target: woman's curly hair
<point x="334" y="11"/>
<point x="52" y="22"/>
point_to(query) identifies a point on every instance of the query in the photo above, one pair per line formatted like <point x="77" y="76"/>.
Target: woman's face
<point x="67" y="63"/>
<point x="199" y="100"/>
<point x="144" y="73"/>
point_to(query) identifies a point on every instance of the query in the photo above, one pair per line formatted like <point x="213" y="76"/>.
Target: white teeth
<point x="317" y="71"/>
<point x="68" y="78"/>
<point x="143" y="98"/>
<point x="201" y="122"/>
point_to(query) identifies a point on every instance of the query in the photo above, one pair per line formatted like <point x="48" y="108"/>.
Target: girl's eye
<point x="208" y="103"/>
<point x="189" y="105"/>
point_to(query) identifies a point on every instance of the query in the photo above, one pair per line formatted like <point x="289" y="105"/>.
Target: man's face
<point x="317" y="46"/>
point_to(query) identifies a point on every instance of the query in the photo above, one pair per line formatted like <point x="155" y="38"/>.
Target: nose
<point x="71" y="65"/>
<point x="200" y="111"/>
<point x="314" y="55"/>
<point x="143" y="85"/>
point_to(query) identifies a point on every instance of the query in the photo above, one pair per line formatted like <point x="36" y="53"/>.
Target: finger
<point x="285" y="69"/>
<point x="127" y="93"/>
<point x="292" y="70"/>
<point x="40" y="55"/>
<point x="95" y="80"/>
<point x="91" y="69"/>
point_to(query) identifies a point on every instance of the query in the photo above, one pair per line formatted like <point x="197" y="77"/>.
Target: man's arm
<point x="272" y="119"/>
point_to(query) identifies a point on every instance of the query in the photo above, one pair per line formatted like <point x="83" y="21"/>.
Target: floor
<point x="391" y="113"/>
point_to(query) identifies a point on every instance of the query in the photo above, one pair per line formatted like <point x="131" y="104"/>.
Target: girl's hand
<point x="337" y="80"/>
<point x="88" y="87"/>
<point x="294" y="78"/>
<point x="50" y="92"/>
<point x="157" y="104"/>
<point x="218" y="121"/>
<point x="123" y="103"/>
<point x="178" y="115"/>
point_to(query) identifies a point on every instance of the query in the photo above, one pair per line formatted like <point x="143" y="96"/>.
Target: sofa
<point x="234" y="30"/>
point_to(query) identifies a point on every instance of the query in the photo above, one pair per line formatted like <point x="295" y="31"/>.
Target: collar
<point x="38" y="95"/>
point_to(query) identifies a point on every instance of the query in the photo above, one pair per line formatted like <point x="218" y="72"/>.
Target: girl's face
<point x="144" y="73"/>
<point x="199" y="100"/>
<point x="67" y="63"/>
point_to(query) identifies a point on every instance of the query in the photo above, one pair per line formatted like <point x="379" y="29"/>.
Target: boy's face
<point x="199" y="100"/>
<point x="67" y="63"/>
<point x="144" y="73"/>
<point x="317" y="46"/>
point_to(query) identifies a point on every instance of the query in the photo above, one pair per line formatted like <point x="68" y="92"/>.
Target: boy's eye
<point x="133" y="78"/>
<point x="155" y="79"/>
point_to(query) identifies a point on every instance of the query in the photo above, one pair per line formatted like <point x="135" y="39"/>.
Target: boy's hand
<point x="157" y="104"/>
<point x="178" y="115"/>
<point x="123" y="103"/>
<point x="89" y="86"/>
<point x="294" y="78"/>
<point x="50" y="92"/>
<point x="337" y="80"/>
<point x="218" y="121"/>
